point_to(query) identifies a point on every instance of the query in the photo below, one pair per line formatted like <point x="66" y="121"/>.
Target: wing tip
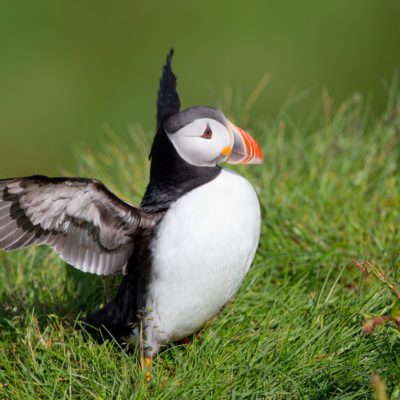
<point x="169" y="55"/>
<point x="168" y="102"/>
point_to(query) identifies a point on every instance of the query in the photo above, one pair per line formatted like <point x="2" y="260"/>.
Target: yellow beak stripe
<point x="227" y="150"/>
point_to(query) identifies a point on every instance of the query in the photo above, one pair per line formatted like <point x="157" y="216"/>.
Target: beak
<point x="244" y="149"/>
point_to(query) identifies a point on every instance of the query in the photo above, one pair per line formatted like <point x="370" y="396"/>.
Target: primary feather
<point x="88" y="225"/>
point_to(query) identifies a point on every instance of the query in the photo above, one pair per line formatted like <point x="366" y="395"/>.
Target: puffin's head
<point x="202" y="136"/>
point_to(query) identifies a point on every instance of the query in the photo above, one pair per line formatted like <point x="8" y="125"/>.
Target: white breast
<point x="202" y="251"/>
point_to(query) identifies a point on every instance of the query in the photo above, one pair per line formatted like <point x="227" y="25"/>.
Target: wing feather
<point x="84" y="222"/>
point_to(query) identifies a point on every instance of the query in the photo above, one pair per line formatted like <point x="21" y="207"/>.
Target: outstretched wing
<point x="168" y="102"/>
<point x="88" y="225"/>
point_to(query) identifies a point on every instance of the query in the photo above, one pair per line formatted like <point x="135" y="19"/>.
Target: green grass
<point x="330" y="193"/>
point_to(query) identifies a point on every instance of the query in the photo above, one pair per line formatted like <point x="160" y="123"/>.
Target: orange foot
<point x="146" y="364"/>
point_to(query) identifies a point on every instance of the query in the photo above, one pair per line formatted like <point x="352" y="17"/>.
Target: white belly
<point x="202" y="251"/>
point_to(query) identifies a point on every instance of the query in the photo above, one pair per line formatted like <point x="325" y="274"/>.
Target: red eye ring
<point x="207" y="134"/>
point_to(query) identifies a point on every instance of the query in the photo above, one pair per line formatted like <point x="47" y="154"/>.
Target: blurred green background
<point x="70" y="71"/>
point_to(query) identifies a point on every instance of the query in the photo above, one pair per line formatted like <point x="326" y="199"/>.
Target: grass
<point x="330" y="193"/>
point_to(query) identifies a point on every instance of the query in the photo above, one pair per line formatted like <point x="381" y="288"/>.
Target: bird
<point x="183" y="252"/>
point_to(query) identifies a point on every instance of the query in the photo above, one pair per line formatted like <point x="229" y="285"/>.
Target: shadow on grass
<point x="78" y="293"/>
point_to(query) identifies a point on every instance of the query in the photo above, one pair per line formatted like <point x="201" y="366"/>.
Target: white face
<point x="204" y="142"/>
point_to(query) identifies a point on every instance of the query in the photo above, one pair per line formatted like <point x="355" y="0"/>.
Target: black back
<point x="170" y="175"/>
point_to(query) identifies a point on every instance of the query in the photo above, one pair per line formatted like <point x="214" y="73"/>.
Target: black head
<point x="185" y="117"/>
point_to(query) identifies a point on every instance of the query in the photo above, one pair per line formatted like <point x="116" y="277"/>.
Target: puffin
<point x="183" y="253"/>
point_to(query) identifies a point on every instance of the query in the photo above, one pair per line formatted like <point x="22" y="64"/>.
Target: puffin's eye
<point x="207" y="134"/>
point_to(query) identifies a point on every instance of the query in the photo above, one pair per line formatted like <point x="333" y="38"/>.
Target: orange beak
<point x="244" y="149"/>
